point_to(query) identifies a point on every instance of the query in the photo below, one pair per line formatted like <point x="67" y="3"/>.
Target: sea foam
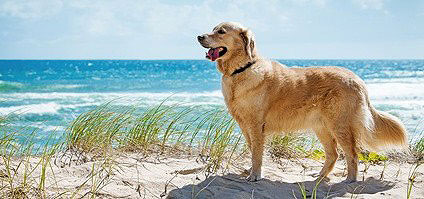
<point x="50" y="108"/>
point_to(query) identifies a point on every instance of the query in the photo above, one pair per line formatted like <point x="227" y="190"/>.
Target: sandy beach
<point x="128" y="175"/>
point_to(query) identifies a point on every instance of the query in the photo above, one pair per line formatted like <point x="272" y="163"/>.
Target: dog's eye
<point x="221" y="32"/>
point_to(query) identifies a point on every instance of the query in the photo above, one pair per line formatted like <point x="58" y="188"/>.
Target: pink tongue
<point x="213" y="53"/>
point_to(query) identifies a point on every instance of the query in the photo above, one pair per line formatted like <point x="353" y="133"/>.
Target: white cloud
<point x="133" y="28"/>
<point x="370" y="4"/>
<point x="320" y="3"/>
<point x="100" y="18"/>
<point x="30" y="9"/>
<point x="159" y="19"/>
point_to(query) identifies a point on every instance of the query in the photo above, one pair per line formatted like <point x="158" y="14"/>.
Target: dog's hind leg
<point x="346" y="138"/>
<point x="330" y="147"/>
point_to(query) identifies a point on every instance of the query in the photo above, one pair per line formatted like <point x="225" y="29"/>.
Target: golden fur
<point x="270" y="98"/>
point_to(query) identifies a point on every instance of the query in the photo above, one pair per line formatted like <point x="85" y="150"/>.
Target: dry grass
<point x="287" y="146"/>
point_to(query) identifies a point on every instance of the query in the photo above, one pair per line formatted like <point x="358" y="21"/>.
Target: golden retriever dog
<point x="266" y="97"/>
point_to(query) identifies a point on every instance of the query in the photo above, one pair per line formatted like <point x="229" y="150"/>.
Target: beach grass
<point x="17" y="175"/>
<point x="16" y="151"/>
<point x="163" y="129"/>
<point x="418" y="146"/>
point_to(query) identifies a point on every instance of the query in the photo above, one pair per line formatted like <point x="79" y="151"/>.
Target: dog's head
<point x="228" y="39"/>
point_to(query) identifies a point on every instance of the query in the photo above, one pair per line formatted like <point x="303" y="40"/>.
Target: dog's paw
<point x="253" y="177"/>
<point x="319" y="177"/>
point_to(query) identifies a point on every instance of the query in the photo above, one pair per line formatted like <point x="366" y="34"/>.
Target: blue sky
<point x="155" y="29"/>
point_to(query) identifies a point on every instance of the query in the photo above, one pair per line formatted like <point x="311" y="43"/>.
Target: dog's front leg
<point x="257" y="137"/>
<point x="246" y="133"/>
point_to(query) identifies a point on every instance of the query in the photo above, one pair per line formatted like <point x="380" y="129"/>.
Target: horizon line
<point x="119" y="59"/>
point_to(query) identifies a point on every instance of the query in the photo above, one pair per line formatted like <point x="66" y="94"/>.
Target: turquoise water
<point x="48" y="94"/>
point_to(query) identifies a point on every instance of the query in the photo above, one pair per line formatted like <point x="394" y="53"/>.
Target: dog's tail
<point x="383" y="131"/>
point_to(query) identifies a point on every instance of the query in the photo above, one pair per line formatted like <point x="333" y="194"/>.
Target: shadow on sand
<point x="235" y="186"/>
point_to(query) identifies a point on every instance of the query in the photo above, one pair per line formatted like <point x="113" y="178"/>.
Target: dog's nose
<point x="200" y="38"/>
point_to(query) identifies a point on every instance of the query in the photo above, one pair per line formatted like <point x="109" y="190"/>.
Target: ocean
<point x="46" y="95"/>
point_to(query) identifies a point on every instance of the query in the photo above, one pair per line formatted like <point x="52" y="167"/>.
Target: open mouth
<point x="215" y="53"/>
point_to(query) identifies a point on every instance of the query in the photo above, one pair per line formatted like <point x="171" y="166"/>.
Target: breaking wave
<point x="10" y="86"/>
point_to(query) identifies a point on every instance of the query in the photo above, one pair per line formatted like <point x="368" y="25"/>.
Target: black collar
<point x="240" y="70"/>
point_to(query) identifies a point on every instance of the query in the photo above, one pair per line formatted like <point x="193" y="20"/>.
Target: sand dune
<point x="130" y="176"/>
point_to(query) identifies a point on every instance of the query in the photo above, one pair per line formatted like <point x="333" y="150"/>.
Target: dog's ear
<point x="249" y="43"/>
